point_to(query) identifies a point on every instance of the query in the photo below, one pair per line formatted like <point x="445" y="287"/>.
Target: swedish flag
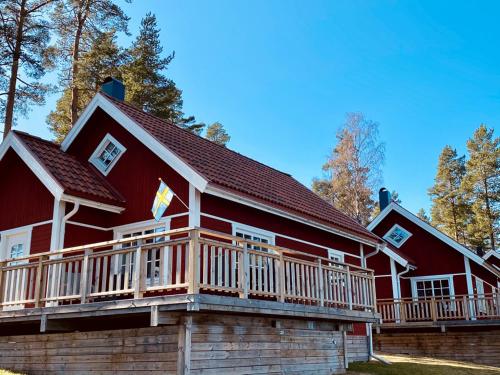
<point x="164" y="196"/>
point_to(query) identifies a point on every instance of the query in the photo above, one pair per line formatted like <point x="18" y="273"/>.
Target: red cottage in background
<point x="79" y="247"/>
<point x="428" y="282"/>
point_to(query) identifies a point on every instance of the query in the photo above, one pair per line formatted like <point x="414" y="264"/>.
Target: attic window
<point x="397" y="235"/>
<point x="107" y="154"/>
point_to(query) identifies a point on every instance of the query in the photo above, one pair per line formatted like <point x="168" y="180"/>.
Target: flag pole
<point x="175" y="195"/>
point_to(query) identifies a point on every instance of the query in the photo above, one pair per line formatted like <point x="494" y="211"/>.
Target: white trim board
<point x="429" y="228"/>
<point x="221" y="193"/>
<point x="164" y="153"/>
<point x="274" y="234"/>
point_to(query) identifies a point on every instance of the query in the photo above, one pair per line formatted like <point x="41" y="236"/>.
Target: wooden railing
<point x="182" y="261"/>
<point x="458" y="307"/>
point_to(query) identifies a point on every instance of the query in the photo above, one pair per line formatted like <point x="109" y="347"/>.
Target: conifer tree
<point x="78" y="24"/>
<point x="144" y="76"/>
<point x="217" y="134"/>
<point x="422" y="215"/>
<point x="482" y="187"/>
<point x="353" y="170"/>
<point x="449" y="208"/>
<point x="25" y="56"/>
<point x="103" y="60"/>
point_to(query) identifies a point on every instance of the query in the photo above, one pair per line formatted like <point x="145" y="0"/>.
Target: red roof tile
<point x="247" y="177"/>
<point x="75" y="178"/>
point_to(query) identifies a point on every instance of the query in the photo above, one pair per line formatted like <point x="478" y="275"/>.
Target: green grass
<point x="408" y="365"/>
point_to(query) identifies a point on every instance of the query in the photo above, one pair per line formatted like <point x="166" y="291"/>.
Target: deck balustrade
<point x="409" y="311"/>
<point x="179" y="261"/>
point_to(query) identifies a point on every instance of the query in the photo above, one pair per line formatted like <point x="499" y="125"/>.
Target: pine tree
<point x="449" y="209"/>
<point x="78" y="24"/>
<point x="217" y="134"/>
<point x="103" y="60"/>
<point x="482" y="187"/>
<point x="353" y="170"/>
<point x="25" y="57"/>
<point x="422" y="215"/>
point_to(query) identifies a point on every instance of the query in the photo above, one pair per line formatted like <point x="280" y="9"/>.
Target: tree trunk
<point x="11" y="96"/>
<point x="488" y="211"/>
<point x="82" y="18"/>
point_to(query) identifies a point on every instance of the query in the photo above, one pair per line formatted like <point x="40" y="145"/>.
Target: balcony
<point x="455" y="310"/>
<point x="191" y="268"/>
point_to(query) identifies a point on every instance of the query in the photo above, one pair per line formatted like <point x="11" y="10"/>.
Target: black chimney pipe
<point x="114" y="88"/>
<point x="384" y="198"/>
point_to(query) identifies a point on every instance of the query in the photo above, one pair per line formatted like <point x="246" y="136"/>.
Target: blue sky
<point x="281" y="75"/>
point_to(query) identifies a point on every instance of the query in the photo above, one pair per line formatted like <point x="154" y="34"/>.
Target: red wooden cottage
<point x="248" y="271"/>
<point x="425" y="280"/>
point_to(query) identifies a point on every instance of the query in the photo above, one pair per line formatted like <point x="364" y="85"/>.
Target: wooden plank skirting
<point x="480" y="346"/>
<point x="185" y="343"/>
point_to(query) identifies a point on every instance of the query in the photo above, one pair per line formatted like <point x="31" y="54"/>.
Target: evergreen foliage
<point x="481" y="185"/>
<point x="78" y="24"/>
<point x="449" y="209"/>
<point x="25" y="57"/>
<point x="103" y="59"/>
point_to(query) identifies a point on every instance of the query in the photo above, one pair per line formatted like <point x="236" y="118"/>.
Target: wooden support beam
<point x="57" y="325"/>
<point x="184" y="346"/>
<point x="162" y="318"/>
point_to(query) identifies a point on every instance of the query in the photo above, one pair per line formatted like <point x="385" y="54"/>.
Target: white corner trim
<point x="429" y="228"/>
<point x="468" y="276"/>
<point x="142" y="135"/>
<point x="212" y="190"/>
<point x="194" y="207"/>
<point x="93" y="204"/>
<point x="94" y="158"/>
<point x="32" y="163"/>
<point x="394" y="280"/>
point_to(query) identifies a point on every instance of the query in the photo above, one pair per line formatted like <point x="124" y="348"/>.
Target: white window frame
<point x="253" y="231"/>
<point x="143" y="226"/>
<point x="394" y="227"/>
<point x="336" y="253"/>
<point x="448" y="277"/>
<point x="94" y="158"/>
<point x="6" y="234"/>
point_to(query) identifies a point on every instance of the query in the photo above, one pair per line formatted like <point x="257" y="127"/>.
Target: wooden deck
<point x="458" y="310"/>
<point x="185" y="269"/>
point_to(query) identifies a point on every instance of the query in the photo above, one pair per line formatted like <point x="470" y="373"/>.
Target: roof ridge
<point x="170" y="123"/>
<point x="22" y="133"/>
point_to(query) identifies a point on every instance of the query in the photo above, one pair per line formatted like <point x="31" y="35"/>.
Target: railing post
<point x="321" y="286"/>
<point x="137" y="273"/>
<point x="465" y="308"/>
<point x="402" y="311"/>
<point x="38" y="282"/>
<point x="244" y="271"/>
<point x="374" y="291"/>
<point x="2" y="265"/>
<point x="433" y="309"/>
<point x="282" y="278"/>
<point x="85" y="276"/>
<point x="193" y="266"/>
<point x="349" y="288"/>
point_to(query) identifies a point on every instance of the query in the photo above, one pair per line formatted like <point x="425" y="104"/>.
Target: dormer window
<point x="397" y="235"/>
<point x="107" y="154"/>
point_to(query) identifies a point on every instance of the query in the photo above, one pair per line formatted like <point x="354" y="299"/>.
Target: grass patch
<point x="6" y="372"/>
<point x="409" y="365"/>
